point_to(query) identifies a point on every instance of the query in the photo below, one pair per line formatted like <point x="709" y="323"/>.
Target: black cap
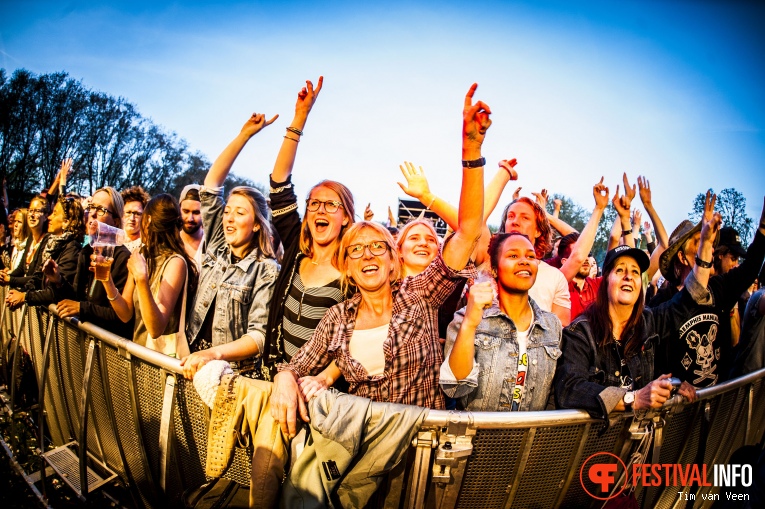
<point x="638" y="254"/>
<point x="730" y="238"/>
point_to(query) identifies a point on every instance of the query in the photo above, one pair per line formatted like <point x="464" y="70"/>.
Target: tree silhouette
<point x="731" y="205"/>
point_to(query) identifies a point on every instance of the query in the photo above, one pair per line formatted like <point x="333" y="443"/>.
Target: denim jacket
<point x="242" y="291"/>
<point x="589" y="376"/>
<point x="489" y="386"/>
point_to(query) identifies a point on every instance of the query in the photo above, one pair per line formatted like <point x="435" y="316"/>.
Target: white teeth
<point x="523" y="273"/>
<point x="369" y="268"/>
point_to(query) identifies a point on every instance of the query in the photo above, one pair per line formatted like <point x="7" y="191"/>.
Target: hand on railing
<point x="15" y="299"/>
<point x="68" y="308"/>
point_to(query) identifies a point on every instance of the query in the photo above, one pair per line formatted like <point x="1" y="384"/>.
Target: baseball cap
<point x="637" y="254"/>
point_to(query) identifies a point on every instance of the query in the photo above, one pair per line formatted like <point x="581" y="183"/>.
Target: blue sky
<point x="671" y="90"/>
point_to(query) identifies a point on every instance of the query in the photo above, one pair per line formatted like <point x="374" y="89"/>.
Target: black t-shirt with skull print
<point x="700" y="351"/>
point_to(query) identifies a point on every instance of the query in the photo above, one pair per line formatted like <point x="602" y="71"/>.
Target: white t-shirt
<point x="550" y="288"/>
<point x="366" y="346"/>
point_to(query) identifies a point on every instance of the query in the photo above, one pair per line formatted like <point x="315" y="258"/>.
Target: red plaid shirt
<point x="413" y="354"/>
<point x="582" y="300"/>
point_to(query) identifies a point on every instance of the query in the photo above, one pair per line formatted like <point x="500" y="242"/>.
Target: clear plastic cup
<point x="107" y="235"/>
<point x="104" y="258"/>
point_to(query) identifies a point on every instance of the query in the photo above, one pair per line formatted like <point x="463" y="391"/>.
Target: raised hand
<point x="475" y="123"/>
<point x="600" y="193"/>
<point x="647" y="227"/>
<point x="517" y="193"/>
<point x="645" y="190"/>
<point x="391" y="218"/>
<point x="307" y="97"/>
<point x="480" y="297"/>
<point x="255" y="123"/>
<point x="629" y="191"/>
<point x="636" y="218"/>
<point x="541" y="198"/>
<point x="618" y="202"/>
<point x="711" y="220"/>
<point x="509" y="166"/>
<point x="416" y="182"/>
<point x="368" y="214"/>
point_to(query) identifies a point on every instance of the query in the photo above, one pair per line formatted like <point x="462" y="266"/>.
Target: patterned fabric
<point x="413" y="354"/>
<point x="304" y="309"/>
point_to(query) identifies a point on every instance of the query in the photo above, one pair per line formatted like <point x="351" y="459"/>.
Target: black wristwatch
<point x="475" y="163"/>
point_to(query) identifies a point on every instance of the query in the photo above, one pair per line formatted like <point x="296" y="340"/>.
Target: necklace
<point x="320" y="262"/>
<point x="33" y="250"/>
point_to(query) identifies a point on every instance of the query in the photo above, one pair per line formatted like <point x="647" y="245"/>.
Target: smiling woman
<point x="608" y="351"/>
<point x="228" y="316"/>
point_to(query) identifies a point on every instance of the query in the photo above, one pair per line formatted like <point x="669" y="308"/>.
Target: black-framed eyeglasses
<point x="99" y="211"/>
<point x="330" y="206"/>
<point x="133" y="213"/>
<point x="377" y="248"/>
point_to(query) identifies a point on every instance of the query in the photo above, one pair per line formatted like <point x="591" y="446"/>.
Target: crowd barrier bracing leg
<point x="147" y="424"/>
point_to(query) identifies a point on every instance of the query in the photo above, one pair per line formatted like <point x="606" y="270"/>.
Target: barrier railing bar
<point x="523" y="458"/>
<point x="424" y="443"/>
<point x="84" y="401"/>
<point x="164" y="427"/>
<point x="15" y="354"/>
<point x="575" y="459"/>
<point x="41" y="395"/>
<point x="93" y="419"/>
<point x="749" y="410"/>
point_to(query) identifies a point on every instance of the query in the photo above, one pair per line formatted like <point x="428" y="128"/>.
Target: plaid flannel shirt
<point x="413" y="354"/>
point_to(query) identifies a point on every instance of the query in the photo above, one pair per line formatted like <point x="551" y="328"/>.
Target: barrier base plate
<point x="66" y="463"/>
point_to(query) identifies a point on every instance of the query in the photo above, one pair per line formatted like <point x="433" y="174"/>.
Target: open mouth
<point x="626" y="288"/>
<point x="230" y="230"/>
<point x="422" y="252"/>
<point x="321" y="225"/>
<point x="523" y="273"/>
<point x="370" y="269"/>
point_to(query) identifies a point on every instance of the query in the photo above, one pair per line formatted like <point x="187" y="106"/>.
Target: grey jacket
<point x="489" y="386"/>
<point x="241" y="291"/>
<point x="354" y="443"/>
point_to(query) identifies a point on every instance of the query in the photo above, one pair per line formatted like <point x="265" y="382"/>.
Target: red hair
<point x="543" y="243"/>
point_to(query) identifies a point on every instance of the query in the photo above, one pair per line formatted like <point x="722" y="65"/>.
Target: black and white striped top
<point x="304" y="309"/>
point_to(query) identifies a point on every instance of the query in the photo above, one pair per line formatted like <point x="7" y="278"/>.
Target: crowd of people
<point x="523" y="319"/>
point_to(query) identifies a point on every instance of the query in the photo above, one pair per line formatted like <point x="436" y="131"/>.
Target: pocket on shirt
<point x="487" y="342"/>
<point x="553" y="351"/>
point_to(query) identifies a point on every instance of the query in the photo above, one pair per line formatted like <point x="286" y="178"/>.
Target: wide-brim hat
<point x="680" y="235"/>
<point x="637" y="254"/>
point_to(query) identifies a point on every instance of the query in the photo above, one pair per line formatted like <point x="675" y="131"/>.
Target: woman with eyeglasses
<point x="31" y="258"/>
<point x="85" y="298"/>
<point x="239" y="269"/>
<point x="160" y="272"/>
<point x="65" y="233"/>
<point x="384" y="339"/>
<point x="309" y="281"/>
<point x="135" y="199"/>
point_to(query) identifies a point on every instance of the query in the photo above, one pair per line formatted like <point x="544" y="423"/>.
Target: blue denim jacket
<point x="489" y="386"/>
<point x="242" y="291"/>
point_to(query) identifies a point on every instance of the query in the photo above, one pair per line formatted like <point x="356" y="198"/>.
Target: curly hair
<point x="135" y="193"/>
<point x="75" y="217"/>
<point x="542" y="243"/>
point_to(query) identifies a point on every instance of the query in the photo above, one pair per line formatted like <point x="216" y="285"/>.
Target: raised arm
<point x="710" y="225"/>
<point x="645" y="196"/>
<point x="222" y="165"/>
<point x="622" y="205"/>
<point x="581" y="248"/>
<point x="475" y="123"/>
<point x="557" y="223"/>
<point x="286" y="158"/>
<point x="59" y="183"/>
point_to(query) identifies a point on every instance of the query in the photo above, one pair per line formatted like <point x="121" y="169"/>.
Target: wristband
<point x="701" y="263"/>
<point x="475" y="163"/>
<point x="112" y="299"/>
<point x="626" y="232"/>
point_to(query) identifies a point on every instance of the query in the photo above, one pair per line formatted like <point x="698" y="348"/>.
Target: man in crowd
<point x="701" y="350"/>
<point x="192" y="234"/>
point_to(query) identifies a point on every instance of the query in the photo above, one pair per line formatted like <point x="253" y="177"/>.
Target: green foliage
<point x="731" y="204"/>
<point x="49" y="117"/>
<point x="577" y="217"/>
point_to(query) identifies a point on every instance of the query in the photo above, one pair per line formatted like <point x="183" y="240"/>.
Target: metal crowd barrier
<point x="114" y="408"/>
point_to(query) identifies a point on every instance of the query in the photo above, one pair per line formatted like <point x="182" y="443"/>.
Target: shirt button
<point x="534" y="362"/>
<point x="205" y="303"/>
<point x="616" y="373"/>
<point x="212" y="286"/>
